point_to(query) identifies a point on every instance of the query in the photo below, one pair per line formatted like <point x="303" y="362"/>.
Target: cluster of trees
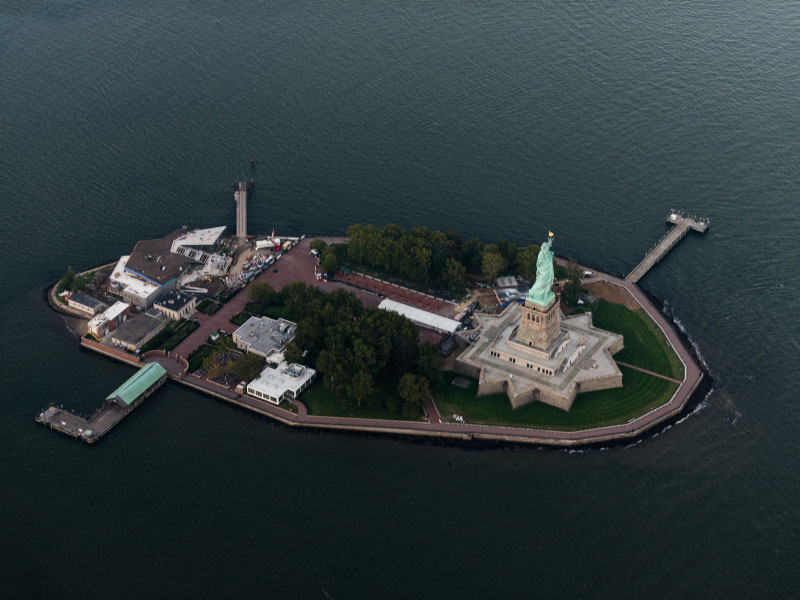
<point x="219" y="363"/>
<point x="427" y="256"/>
<point x="327" y="256"/>
<point x="573" y="288"/>
<point x="73" y="282"/>
<point x="358" y="350"/>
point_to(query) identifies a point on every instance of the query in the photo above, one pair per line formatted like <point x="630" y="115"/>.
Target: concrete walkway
<point x="654" y="374"/>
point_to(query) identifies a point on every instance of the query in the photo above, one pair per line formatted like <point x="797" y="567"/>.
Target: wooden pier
<point x="117" y="405"/>
<point x="682" y="225"/>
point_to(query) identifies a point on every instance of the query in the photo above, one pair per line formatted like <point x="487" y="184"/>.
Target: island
<point x="411" y="333"/>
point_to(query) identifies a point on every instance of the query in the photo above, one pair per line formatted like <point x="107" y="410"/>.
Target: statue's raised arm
<point x="541" y="293"/>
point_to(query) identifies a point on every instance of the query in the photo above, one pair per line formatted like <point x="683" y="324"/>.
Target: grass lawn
<point x="208" y="306"/>
<point x="321" y="402"/>
<point x="640" y="393"/>
<point x="196" y="358"/>
<point x="646" y="345"/>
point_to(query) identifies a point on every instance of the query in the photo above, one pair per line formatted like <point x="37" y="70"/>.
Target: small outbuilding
<point x="86" y="304"/>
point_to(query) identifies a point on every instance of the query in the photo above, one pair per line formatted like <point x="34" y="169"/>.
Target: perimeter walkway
<point x="298" y="265"/>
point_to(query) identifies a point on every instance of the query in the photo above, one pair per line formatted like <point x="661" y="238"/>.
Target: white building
<point x="422" y="318"/>
<point x="176" y="305"/>
<point x="101" y="324"/>
<point x="285" y="382"/>
<point x="133" y="290"/>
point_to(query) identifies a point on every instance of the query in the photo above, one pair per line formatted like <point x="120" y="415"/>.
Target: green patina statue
<point x="541" y="293"/>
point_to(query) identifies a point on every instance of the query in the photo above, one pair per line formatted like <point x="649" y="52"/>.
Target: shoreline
<point x="477" y="435"/>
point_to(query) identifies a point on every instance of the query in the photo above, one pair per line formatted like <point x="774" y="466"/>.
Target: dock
<point x="240" y="197"/>
<point x="117" y="405"/>
<point x="682" y="225"/>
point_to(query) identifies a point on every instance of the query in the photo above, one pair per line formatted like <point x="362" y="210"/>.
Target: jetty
<point x="117" y="405"/>
<point x="682" y="225"/>
<point x="240" y="189"/>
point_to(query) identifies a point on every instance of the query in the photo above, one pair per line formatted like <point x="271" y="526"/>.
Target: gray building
<point x="265" y="337"/>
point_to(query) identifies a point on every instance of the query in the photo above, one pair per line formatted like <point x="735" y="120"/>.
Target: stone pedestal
<point x="540" y="325"/>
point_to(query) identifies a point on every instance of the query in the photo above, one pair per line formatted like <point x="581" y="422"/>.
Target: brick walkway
<point x="400" y="294"/>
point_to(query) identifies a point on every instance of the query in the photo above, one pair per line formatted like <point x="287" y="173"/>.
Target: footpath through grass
<point x="640" y="394"/>
<point x="646" y="346"/>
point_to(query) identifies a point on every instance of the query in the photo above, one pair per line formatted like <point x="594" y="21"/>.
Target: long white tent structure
<point x="420" y="317"/>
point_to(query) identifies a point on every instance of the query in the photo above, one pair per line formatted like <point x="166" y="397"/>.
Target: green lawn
<point x="646" y="345"/>
<point x="321" y="402"/>
<point x="208" y="306"/>
<point x="640" y="393"/>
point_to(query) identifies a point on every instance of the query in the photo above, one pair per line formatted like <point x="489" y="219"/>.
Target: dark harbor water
<point x="122" y="120"/>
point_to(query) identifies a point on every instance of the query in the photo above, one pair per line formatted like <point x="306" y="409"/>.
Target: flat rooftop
<point x="277" y="381"/>
<point x="85" y="300"/>
<point x="263" y="335"/>
<point x="197" y="238"/>
<point x="125" y="280"/>
<point x="174" y="300"/>
<point x="139" y="327"/>
<point x="421" y="317"/>
<point x="154" y="261"/>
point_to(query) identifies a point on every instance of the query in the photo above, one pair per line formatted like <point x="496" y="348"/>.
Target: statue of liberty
<point x="541" y="293"/>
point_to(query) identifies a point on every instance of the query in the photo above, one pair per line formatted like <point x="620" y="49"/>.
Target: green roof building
<point x="143" y="383"/>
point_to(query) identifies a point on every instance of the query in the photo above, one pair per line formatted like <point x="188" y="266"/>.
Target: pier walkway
<point x="117" y="405"/>
<point x="667" y="243"/>
<point x="240" y="196"/>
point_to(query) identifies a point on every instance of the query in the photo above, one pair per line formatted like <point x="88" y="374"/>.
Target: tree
<point x="572" y="288"/>
<point x="492" y="265"/>
<point x="262" y="293"/>
<point x="428" y="363"/>
<point x="292" y="353"/>
<point x="526" y="262"/>
<point x="361" y="386"/>
<point x="318" y="245"/>
<point x="330" y="264"/>
<point x="414" y="390"/>
<point x="248" y="367"/>
<point x="454" y="274"/>
<point x="216" y="366"/>
<point x="473" y="255"/>
<point x="66" y="281"/>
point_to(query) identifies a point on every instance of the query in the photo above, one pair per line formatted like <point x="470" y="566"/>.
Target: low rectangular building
<point x="264" y="336"/>
<point x="285" y="382"/>
<point x="136" y="332"/>
<point x="176" y="305"/>
<point x="107" y="321"/>
<point x="86" y="304"/>
<point x="422" y="318"/>
<point x="139" y="386"/>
